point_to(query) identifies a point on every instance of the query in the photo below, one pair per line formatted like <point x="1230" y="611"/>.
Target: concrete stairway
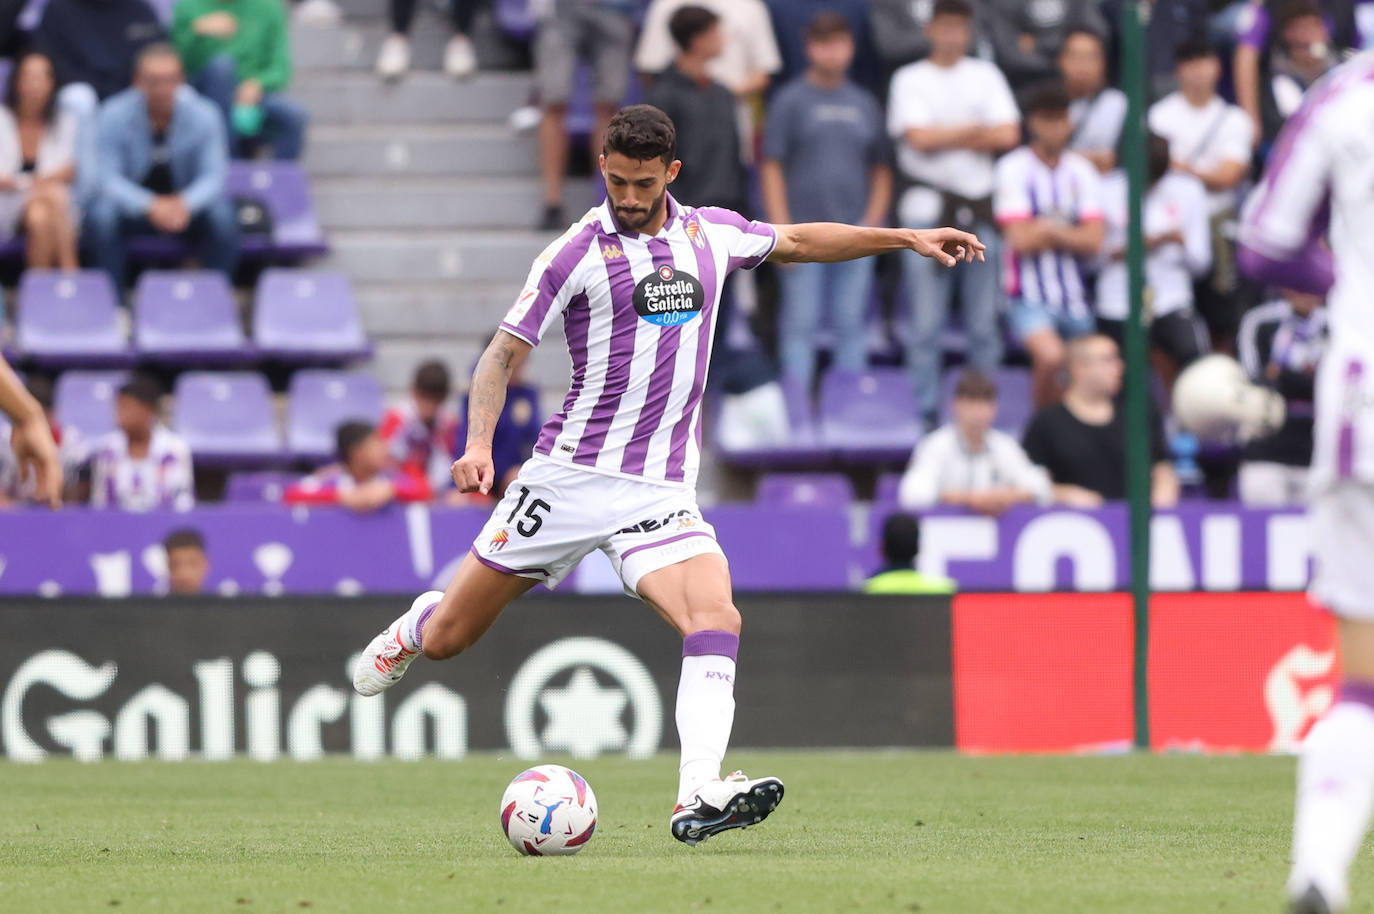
<point x="426" y="194"/>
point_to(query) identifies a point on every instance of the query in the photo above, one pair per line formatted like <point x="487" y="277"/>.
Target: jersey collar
<point x="611" y="227"/>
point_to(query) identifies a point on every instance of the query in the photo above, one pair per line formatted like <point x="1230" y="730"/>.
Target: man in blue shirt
<point x="162" y="168"/>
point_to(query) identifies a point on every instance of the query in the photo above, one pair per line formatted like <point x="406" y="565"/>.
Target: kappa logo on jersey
<point x="684" y="518"/>
<point x="611" y="252"/>
<point x="498" y="542"/>
<point x="695" y="236"/>
<point x="669" y="297"/>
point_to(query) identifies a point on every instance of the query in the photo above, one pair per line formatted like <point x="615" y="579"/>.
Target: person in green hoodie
<point x="238" y="55"/>
<point x="901" y="542"/>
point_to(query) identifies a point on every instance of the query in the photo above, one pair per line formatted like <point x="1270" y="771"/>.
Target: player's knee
<point x="719" y="616"/>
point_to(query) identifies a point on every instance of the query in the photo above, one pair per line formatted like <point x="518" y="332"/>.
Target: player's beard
<point x="635" y="220"/>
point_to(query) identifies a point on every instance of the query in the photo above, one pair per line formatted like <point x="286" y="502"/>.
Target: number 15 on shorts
<point x="530" y="518"/>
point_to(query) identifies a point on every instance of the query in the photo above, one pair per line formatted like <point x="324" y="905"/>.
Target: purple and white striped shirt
<point x="162" y="479"/>
<point x="639" y="313"/>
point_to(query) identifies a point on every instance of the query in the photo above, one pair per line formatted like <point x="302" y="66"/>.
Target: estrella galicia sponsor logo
<point x="669" y="297"/>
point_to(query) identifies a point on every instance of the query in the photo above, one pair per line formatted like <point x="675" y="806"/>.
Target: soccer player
<point x="637" y="282"/>
<point x="1320" y="185"/>
<point x="31" y="441"/>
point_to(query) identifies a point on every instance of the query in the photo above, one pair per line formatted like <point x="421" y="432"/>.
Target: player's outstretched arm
<point x="829" y="242"/>
<point x="31" y="440"/>
<point x="474" y="471"/>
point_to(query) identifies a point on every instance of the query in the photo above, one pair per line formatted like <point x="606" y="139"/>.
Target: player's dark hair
<point x="961" y="8"/>
<point x="901" y="539"/>
<point x="348" y="436"/>
<point x="828" y="24"/>
<point x="432" y="380"/>
<point x="40" y="388"/>
<point x="1156" y="157"/>
<point x="1194" y="47"/>
<point x="974" y="385"/>
<point x="143" y="389"/>
<point x="1047" y="98"/>
<point x="689" y="22"/>
<point x="183" y="538"/>
<point x="641" y="132"/>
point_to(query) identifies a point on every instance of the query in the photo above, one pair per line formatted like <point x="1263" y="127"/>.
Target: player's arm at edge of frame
<point x="830" y="242"/>
<point x="31" y="440"/>
<point x="474" y="471"/>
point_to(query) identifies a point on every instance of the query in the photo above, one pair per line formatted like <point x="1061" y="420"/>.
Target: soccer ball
<point x="548" y="810"/>
<point x="1214" y="399"/>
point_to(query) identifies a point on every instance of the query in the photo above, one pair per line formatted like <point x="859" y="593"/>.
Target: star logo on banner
<point x="584" y="716"/>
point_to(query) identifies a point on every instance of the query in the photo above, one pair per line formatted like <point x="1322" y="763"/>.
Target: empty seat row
<point x="187" y="317"/>
<point x="227" y="418"/>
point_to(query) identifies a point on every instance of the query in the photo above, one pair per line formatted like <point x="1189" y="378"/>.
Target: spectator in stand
<point x="826" y="159"/>
<point x="601" y="32"/>
<point x="141" y="465"/>
<point x="1212" y="141"/>
<point x="460" y="60"/>
<point x="1170" y="23"/>
<point x="901" y="544"/>
<point x="899" y="32"/>
<point x="1178" y="245"/>
<point x="1049" y="205"/>
<point x="72" y="452"/>
<point x="708" y="145"/>
<point x="238" y="54"/>
<point x="517" y="431"/>
<point x="163" y="165"/>
<point x="1027" y="37"/>
<point x="970" y="464"/>
<point x="38" y="166"/>
<point x="949" y="116"/>
<point x="1097" y="111"/>
<point x="1082" y="441"/>
<point x="360" y="481"/>
<point x="748" y="58"/>
<point x="93" y="45"/>
<point x="187" y="564"/>
<point x="1280" y="344"/>
<point x="1291" y="39"/>
<point x="420" y="432"/>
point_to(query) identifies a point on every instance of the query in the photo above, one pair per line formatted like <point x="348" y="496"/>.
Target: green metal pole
<point x="1134" y="15"/>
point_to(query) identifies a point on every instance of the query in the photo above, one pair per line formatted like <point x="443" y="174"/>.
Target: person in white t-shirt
<point x="950" y="115"/>
<point x="969" y="463"/>
<point x="1211" y="140"/>
<point x="1049" y="206"/>
<point x="1096" y="110"/>
<point x="1178" y="244"/>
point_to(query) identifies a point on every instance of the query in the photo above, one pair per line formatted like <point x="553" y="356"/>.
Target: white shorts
<point x="554" y="514"/>
<point x="1341" y="522"/>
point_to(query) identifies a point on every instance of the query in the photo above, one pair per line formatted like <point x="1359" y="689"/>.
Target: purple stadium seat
<point x="516" y="19"/>
<point x="258" y="485"/>
<point x="189" y="317"/>
<point x="886" y="491"/>
<point x="1014" y="407"/>
<point x="85" y="400"/>
<point x="227" y="418"/>
<point x="869" y="416"/>
<point x="803" y="450"/>
<point x="805" y="490"/>
<point x="320" y="401"/>
<point x="307" y="316"/>
<point x="284" y="192"/>
<point x="71" y="319"/>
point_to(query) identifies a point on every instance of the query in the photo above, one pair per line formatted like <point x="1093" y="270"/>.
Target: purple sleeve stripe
<point x="554" y="279"/>
<point x="1308" y="270"/>
<point x="711" y="643"/>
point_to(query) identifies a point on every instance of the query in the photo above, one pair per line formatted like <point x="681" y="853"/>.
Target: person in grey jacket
<point x="163" y="163"/>
<point x="1026" y="37"/>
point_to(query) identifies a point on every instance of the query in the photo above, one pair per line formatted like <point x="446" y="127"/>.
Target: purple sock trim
<point x="420" y="623"/>
<point x="711" y="643"/>
<point x="1358" y="693"/>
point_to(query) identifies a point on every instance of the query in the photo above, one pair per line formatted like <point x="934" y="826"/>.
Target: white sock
<point x="413" y="622"/>
<point x="705" y="707"/>
<point x="1335" y="796"/>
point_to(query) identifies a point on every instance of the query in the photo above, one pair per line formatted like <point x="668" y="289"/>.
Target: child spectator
<point x="187" y="564"/>
<point x="420" y="432"/>
<point x="360" y="481"/>
<point x="142" y="464"/>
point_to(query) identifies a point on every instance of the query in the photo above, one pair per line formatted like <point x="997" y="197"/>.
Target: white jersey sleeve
<point x="553" y="281"/>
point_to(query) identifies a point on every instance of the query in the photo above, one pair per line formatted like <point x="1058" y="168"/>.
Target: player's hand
<point x="36" y="453"/>
<point x="947" y="245"/>
<point x="474" y="471"/>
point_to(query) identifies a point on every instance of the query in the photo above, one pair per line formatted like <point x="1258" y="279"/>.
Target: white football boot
<point x="720" y="805"/>
<point x="383" y="662"/>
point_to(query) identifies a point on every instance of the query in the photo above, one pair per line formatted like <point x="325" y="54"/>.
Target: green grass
<point x="930" y="832"/>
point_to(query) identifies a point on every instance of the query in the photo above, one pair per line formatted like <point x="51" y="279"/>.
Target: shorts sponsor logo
<point x="685" y="518"/>
<point x="669" y="297"/>
<point x="611" y="252"/>
<point x="498" y="542"/>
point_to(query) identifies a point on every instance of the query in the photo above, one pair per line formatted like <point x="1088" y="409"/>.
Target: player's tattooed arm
<point x="473" y="472"/>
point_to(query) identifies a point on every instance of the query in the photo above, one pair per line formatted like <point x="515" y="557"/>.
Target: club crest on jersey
<point x="669" y="297"/>
<point x="498" y="542"/>
<point x="695" y="236"/>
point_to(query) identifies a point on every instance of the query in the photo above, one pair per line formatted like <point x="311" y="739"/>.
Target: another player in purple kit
<point x="637" y="282"/>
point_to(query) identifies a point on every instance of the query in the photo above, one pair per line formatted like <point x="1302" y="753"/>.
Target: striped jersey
<point x="639" y="314"/>
<point x="1070" y="192"/>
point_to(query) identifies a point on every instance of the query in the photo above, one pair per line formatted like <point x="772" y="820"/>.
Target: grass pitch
<point x="902" y="832"/>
